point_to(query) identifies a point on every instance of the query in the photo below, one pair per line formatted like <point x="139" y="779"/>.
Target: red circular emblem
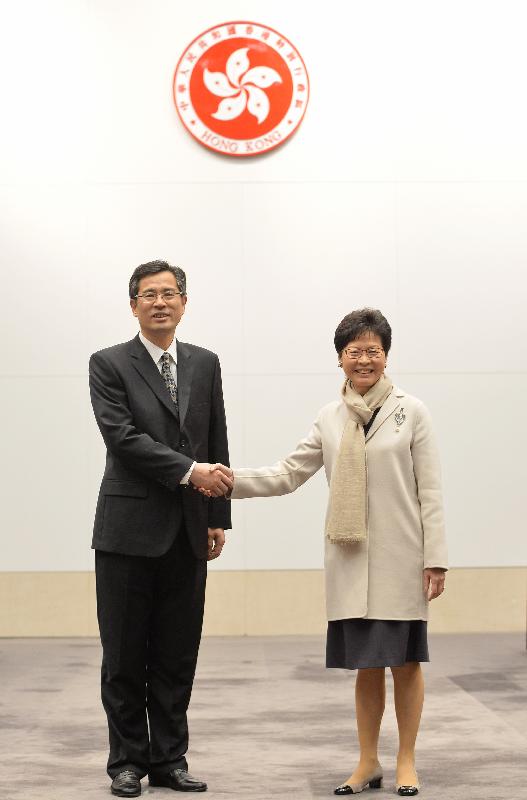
<point x="241" y="88"/>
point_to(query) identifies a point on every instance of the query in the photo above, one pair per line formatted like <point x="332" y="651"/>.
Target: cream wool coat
<point x="383" y="577"/>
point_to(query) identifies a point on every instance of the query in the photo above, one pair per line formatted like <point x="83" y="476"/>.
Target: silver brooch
<point x="400" y="417"/>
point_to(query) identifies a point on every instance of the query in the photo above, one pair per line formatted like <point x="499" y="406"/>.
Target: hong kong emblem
<point x="241" y="88"/>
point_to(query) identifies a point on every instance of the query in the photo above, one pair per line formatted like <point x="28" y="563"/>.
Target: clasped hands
<point x="212" y="480"/>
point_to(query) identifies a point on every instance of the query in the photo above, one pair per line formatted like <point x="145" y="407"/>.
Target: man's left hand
<point x="216" y="542"/>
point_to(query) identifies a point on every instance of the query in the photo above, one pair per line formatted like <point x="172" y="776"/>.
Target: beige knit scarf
<point x="347" y="510"/>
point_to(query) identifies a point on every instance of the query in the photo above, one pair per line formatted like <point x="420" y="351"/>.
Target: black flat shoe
<point x="374" y="781"/>
<point x="407" y="791"/>
<point x="178" y="779"/>
<point x="126" y="784"/>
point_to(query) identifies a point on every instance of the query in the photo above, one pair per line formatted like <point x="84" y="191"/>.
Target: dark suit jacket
<point x="141" y="504"/>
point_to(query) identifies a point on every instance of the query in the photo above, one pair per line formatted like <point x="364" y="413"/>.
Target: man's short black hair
<point x="356" y="324"/>
<point x="152" y="268"/>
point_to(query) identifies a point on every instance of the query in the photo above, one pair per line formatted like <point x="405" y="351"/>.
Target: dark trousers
<point x="150" y="613"/>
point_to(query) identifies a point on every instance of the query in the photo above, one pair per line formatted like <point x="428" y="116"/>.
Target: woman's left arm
<point x="427" y="473"/>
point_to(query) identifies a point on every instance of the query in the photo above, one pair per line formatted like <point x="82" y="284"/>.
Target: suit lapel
<point x="388" y="407"/>
<point x="184" y="378"/>
<point x="144" y="364"/>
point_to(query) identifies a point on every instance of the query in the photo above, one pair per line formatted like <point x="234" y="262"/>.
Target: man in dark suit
<point x="159" y="406"/>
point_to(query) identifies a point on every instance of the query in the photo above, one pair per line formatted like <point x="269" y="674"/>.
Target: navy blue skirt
<point x="368" y="643"/>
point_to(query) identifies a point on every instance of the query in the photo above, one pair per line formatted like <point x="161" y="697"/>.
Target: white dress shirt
<point x="156" y="353"/>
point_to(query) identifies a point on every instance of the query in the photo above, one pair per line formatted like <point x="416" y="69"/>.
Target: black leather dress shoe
<point x="178" y="779"/>
<point x="126" y="784"/>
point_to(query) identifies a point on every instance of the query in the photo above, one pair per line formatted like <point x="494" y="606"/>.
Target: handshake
<point x="212" y="480"/>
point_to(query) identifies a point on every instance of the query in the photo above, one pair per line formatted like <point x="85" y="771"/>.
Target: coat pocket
<point x="111" y="486"/>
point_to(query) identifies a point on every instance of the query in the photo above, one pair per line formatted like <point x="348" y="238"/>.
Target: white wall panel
<point x="43" y="323"/>
<point x="45" y="69"/>
<point x="461" y="262"/>
<point x="313" y="253"/>
<point x="280" y="410"/>
<point x="284" y="532"/>
<point x="46" y="508"/>
<point x="195" y="226"/>
<point x="287" y="532"/>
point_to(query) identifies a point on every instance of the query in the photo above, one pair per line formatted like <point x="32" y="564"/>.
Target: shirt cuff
<point x="186" y="477"/>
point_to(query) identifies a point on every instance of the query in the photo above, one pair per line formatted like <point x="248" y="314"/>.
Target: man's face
<point x="162" y="315"/>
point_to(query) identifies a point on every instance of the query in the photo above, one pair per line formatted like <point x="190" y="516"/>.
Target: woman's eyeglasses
<point x="353" y="353"/>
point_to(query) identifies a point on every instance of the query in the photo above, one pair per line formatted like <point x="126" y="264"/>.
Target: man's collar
<point x="156" y="352"/>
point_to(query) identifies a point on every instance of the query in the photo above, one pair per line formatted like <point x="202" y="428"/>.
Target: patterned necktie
<point x="170" y="383"/>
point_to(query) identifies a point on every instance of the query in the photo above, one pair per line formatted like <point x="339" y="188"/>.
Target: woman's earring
<point x="340" y="363"/>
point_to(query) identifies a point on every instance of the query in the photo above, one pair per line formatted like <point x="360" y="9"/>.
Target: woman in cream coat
<point x="385" y="552"/>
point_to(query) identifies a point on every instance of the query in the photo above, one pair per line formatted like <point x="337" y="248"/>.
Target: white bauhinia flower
<point x="258" y="102"/>
<point x="263" y="77"/>
<point x="241" y="87"/>
<point x="237" y="64"/>
<point x="231" y="107"/>
<point x="218" y="84"/>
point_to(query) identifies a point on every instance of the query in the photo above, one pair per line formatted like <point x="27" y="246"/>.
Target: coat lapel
<point x="144" y="364"/>
<point x="387" y="409"/>
<point x="184" y="378"/>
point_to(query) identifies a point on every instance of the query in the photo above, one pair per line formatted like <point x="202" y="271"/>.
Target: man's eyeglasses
<point x="353" y="353"/>
<point x="151" y="297"/>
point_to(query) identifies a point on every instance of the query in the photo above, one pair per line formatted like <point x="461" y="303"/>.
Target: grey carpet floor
<point x="267" y="720"/>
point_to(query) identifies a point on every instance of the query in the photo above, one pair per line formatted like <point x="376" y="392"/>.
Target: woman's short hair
<point x="356" y="324"/>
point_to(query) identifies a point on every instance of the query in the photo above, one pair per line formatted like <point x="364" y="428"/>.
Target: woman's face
<point x="363" y="361"/>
